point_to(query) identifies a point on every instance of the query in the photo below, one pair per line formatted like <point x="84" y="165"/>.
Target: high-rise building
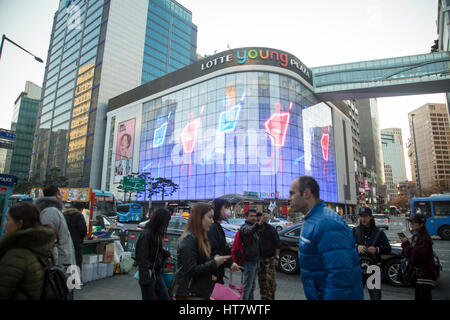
<point x="394" y="159"/>
<point x="349" y="109"/>
<point x="99" y="49"/>
<point x="369" y="129"/>
<point x="430" y="143"/>
<point x="443" y="29"/>
<point x="23" y="120"/>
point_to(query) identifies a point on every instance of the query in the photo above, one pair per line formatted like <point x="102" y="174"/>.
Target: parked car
<point x="177" y="225"/>
<point x="289" y="248"/>
<point x="279" y="223"/>
<point x="389" y="263"/>
<point x="381" y="220"/>
<point x="237" y="222"/>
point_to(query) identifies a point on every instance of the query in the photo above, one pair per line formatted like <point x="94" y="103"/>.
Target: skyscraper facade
<point x="99" y="49"/>
<point x="24" y="117"/>
<point x="394" y="159"/>
<point x="369" y="129"/>
<point x="430" y="146"/>
<point x="170" y="39"/>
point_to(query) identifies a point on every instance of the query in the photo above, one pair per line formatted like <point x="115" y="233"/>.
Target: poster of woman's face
<point x="124" y="149"/>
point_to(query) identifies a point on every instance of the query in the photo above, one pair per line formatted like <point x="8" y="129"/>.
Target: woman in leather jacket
<point x="150" y="256"/>
<point x="217" y="239"/>
<point x="196" y="268"/>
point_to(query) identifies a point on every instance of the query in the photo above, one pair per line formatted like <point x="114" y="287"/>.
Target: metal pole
<point x="415" y="153"/>
<point x="1" y="46"/>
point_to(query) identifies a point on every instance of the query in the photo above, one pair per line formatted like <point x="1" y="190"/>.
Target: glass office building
<point x="23" y="121"/>
<point x="229" y="125"/>
<point x="99" y="49"/>
<point x="170" y="39"/>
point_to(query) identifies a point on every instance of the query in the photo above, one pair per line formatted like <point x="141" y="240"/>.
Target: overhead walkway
<point x="410" y="75"/>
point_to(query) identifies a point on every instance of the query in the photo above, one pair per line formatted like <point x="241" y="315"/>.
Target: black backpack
<point x="55" y="282"/>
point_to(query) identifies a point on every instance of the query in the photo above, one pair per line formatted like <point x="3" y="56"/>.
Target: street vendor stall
<point x="6" y="184"/>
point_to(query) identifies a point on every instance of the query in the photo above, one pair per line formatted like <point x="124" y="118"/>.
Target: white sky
<point x="318" y="32"/>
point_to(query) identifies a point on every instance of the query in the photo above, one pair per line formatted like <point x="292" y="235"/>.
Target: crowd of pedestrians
<point x="330" y="253"/>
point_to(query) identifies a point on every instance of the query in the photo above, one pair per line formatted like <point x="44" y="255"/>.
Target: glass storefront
<point x="239" y="132"/>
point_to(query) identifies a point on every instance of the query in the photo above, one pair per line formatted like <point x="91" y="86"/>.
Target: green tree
<point x="25" y="185"/>
<point x="54" y="177"/>
<point x="164" y="186"/>
<point x="435" y="46"/>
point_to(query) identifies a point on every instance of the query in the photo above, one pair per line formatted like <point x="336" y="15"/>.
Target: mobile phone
<point x="401" y="235"/>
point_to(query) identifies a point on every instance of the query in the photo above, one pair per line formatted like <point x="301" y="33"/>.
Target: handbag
<point x="407" y="273"/>
<point x="150" y="271"/>
<point x="136" y="275"/>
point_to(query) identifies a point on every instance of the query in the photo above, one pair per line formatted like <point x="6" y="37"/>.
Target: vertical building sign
<point x="124" y="149"/>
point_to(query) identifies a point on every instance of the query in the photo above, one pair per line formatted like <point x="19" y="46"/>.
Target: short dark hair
<point x="308" y="182"/>
<point x="27" y="212"/>
<point x="248" y="212"/>
<point x="51" y="191"/>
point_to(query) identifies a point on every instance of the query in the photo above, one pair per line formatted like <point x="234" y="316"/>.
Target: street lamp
<point x="6" y="38"/>
<point x="415" y="154"/>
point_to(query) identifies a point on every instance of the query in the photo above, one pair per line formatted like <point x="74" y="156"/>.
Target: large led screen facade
<point x="234" y="133"/>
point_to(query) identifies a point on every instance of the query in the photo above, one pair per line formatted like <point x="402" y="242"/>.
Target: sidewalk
<point x="125" y="287"/>
<point x="289" y="287"/>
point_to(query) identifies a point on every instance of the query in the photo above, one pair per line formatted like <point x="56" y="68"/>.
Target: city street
<point x="289" y="287"/>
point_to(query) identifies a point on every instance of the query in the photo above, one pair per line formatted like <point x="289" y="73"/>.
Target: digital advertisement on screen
<point x="237" y="133"/>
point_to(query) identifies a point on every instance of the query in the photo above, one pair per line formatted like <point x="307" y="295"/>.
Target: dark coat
<point x="77" y="226"/>
<point x="420" y="254"/>
<point x="269" y="241"/>
<point x="368" y="237"/>
<point x="250" y="241"/>
<point x="20" y="270"/>
<point x="218" y="242"/>
<point x="194" y="270"/>
<point x="149" y="256"/>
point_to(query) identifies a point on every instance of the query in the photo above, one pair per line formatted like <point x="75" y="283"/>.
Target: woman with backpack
<point x="150" y="256"/>
<point x="25" y="241"/>
<point x="371" y="242"/>
<point x="196" y="267"/>
<point x="217" y="239"/>
<point x="419" y="252"/>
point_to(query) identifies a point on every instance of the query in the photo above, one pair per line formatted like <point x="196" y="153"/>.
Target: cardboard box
<point x="90" y="258"/>
<point x="108" y="255"/>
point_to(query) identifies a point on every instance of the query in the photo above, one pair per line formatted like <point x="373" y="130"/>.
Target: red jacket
<point x="420" y="255"/>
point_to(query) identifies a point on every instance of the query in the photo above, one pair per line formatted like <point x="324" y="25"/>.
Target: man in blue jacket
<point x="329" y="261"/>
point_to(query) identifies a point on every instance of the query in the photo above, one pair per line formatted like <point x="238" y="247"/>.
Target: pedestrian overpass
<point x="410" y="75"/>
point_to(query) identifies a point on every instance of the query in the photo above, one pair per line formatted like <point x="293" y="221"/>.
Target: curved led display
<point x="234" y="133"/>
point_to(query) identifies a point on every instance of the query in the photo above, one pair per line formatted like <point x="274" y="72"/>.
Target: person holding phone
<point x="419" y="252"/>
<point x="196" y="267"/>
<point x="217" y="239"/>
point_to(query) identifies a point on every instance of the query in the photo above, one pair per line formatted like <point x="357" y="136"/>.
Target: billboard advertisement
<point x="123" y="163"/>
<point x="246" y="131"/>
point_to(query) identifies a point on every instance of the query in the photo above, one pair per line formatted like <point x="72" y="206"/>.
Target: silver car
<point x="381" y="220"/>
<point x="279" y="224"/>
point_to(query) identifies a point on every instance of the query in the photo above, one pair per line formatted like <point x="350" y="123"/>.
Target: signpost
<point x="134" y="184"/>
